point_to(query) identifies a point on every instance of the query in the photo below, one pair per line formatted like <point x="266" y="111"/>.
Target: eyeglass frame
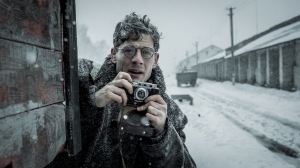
<point x="136" y="51"/>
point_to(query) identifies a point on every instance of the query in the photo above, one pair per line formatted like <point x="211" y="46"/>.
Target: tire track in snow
<point x="258" y="124"/>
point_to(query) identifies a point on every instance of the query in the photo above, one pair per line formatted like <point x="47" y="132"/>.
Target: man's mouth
<point x="136" y="72"/>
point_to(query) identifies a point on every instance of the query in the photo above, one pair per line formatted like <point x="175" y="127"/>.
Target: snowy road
<point x="240" y="126"/>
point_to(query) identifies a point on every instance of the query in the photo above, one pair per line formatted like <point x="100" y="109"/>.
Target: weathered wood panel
<point x="297" y="65"/>
<point x="261" y="67"/>
<point x="297" y="52"/>
<point x="34" y="138"/>
<point x="243" y="64"/>
<point x="30" y="77"/>
<point x="252" y="65"/>
<point x="222" y="69"/>
<point x="229" y="68"/>
<point x="274" y="67"/>
<point x="235" y="68"/>
<point x="288" y="62"/>
<point x="32" y="21"/>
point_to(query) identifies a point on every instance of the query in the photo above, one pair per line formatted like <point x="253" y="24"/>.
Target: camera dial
<point x="141" y="93"/>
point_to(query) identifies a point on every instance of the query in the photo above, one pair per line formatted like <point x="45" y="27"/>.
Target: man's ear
<point x="113" y="53"/>
<point x="156" y="57"/>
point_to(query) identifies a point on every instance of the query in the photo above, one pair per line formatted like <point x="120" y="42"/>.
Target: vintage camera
<point x="141" y="90"/>
<point x="133" y="121"/>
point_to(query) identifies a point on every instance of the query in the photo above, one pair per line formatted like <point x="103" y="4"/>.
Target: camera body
<point x="141" y="90"/>
<point x="131" y="120"/>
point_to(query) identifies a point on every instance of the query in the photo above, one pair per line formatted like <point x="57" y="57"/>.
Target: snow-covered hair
<point x="132" y="27"/>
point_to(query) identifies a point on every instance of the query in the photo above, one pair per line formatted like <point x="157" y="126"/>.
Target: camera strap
<point x="121" y="151"/>
<point x="120" y="134"/>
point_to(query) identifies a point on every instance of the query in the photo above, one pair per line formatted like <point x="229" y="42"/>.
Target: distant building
<point x="269" y="59"/>
<point x="198" y="58"/>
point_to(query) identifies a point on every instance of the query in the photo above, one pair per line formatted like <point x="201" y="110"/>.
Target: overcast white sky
<point x="182" y="23"/>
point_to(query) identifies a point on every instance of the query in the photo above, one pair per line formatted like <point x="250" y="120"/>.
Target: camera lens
<point x="141" y="94"/>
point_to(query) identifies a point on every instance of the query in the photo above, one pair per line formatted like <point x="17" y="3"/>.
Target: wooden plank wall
<point x="32" y="112"/>
<point x="30" y="77"/>
<point x="261" y="67"/>
<point x="297" y="65"/>
<point x="35" y="22"/>
<point x="288" y="61"/>
<point x="32" y="139"/>
<point x="274" y="67"/>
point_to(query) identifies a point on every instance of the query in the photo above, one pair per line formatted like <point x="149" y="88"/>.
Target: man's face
<point x="138" y="67"/>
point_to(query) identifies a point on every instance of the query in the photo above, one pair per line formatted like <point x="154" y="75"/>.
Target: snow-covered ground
<point x="240" y="126"/>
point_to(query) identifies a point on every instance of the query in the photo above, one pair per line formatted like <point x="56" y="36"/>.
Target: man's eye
<point x="146" y="52"/>
<point x="129" y="51"/>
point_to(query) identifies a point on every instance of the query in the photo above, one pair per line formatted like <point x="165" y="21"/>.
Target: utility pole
<point x="256" y="16"/>
<point x="197" y="57"/>
<point x="187" y="54"/>
<point x="187" y="62"/>
<point x="232" y="49"/>
<point x="198" y="60"/>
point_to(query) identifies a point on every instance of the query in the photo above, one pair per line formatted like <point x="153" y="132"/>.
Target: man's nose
<point x="137" y="58"/>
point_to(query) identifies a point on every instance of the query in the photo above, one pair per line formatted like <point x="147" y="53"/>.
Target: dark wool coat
<point x="101" y="143"/>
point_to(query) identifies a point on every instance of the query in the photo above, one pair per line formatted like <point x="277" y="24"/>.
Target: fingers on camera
<point x="123" y="75"/>
<point x="119" y="95"/>
<point x="123" y="83"/>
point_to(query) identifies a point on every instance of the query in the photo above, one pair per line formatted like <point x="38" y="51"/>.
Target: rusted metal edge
<point x="70" y="61"/>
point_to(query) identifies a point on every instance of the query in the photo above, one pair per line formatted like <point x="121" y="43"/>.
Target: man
<point x="134" y="57"/>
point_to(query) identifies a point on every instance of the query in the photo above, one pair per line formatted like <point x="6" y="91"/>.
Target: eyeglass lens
<point x="130" y="51"/>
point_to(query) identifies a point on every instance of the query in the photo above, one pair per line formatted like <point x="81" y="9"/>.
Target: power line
<point x="237" y="2"/>
<point x="240" y="5"/>
<point x="221" y="25"/>
<point x="256" y="14"/>
<point x="244" y="5"/>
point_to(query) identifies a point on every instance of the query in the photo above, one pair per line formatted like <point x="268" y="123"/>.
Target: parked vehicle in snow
<point x="186" y="76"/>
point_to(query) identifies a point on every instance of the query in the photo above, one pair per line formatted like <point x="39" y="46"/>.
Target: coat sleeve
<point x="169" y="149"/>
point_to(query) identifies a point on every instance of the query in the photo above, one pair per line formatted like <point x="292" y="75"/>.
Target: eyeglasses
<point x="130" y="51"/>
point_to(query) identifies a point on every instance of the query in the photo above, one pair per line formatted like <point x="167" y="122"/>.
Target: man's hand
<point x="115" y="90"/>
<point x="156" y="112"/>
